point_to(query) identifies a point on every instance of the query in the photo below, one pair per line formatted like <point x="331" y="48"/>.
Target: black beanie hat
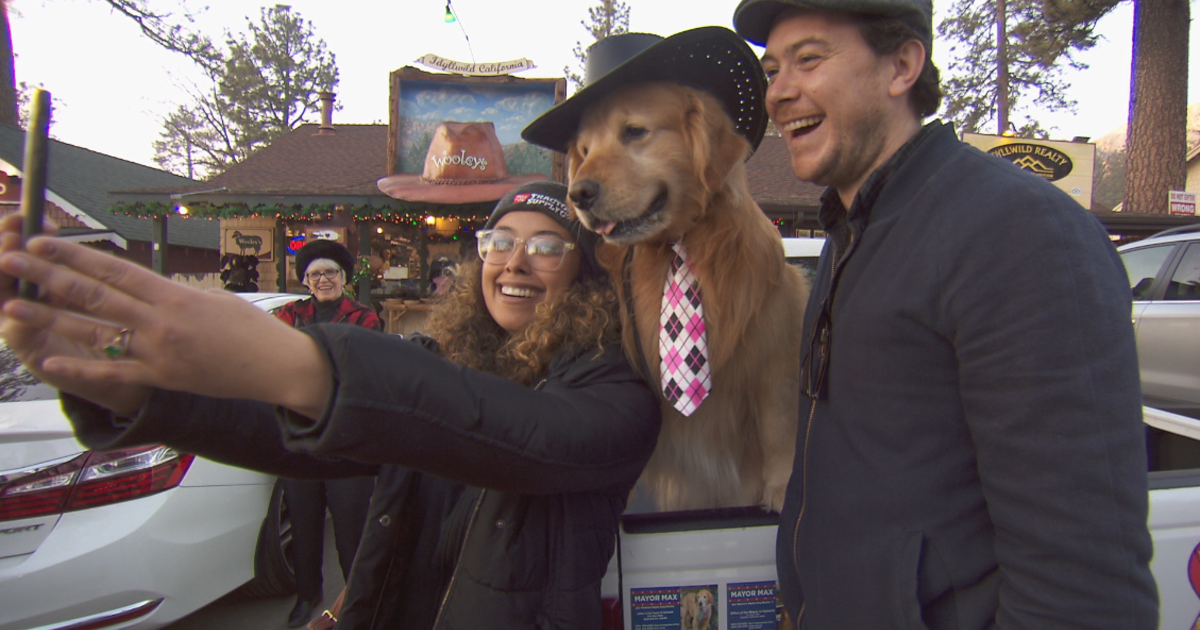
<point x="324" y="249"/>
<point x="550" y="199"/>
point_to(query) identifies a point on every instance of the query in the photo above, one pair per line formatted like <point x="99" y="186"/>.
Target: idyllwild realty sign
<point x="1067" y="164"/>
<point x="476" y="69"/>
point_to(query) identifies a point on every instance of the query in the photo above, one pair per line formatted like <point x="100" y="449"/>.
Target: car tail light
<point x="612" y="617"/>
<point x="90" y="479"/>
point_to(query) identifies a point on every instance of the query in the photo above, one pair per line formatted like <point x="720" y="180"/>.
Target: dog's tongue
<point x="604" y="228"/>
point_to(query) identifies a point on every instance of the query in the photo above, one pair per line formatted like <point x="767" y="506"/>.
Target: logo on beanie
<point x="545" y="201"/>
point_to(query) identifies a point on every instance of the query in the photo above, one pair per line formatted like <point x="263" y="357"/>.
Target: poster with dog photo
<point x="698" y="607"/>
<point x="675" y="607"/>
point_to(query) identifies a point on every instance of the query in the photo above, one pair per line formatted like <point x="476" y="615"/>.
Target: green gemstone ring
<point x="119" y="344"/>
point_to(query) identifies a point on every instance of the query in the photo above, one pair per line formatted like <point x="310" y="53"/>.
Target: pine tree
<point x="1157" y="140"/>
<point x="267" y="83"/>
<point x="610" y="17"/>
<point x="1157" y="136"/>
<point x="1007" y="58"/>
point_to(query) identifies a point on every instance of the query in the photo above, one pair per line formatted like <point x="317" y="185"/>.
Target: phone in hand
<point x="33" y="189"/>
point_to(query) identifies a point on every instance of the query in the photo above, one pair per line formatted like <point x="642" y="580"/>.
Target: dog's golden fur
<point x="696" y="610"/>
<point x="657" y="162"/>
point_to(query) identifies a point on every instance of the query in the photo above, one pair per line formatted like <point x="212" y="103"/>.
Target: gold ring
<point x="119" y="344"/>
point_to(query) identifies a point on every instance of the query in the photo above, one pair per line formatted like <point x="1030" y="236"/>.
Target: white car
<point x="804" y="254"/>
<point x="136" y="538"/>
<point x="1164" y="275"/>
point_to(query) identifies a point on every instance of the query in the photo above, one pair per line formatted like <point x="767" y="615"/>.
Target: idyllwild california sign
<point x="476" y="69"/>
<point x="1067" y="164"/>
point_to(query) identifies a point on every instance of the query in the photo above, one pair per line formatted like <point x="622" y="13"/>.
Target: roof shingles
<point x="84" y="178"/>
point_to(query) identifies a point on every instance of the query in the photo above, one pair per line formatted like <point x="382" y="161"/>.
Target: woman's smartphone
<point x="33" y="188"/>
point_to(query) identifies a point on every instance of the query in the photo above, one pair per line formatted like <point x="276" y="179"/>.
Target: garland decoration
<point x="361" y="270"/>
<point x="401" y="213"/>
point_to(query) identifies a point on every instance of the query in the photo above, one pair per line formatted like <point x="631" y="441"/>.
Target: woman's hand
<point x="32" y="344"/>
<point x="211" y="343"/>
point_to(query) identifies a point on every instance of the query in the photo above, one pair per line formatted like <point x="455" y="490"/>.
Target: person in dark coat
<point x="324" y="267"/>
<point x="970" y="453"/>
<point x="506" y="444"/>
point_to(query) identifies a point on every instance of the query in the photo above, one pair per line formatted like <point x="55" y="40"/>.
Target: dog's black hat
<point x="711" y="58"/>
<point x="323" y="249"/>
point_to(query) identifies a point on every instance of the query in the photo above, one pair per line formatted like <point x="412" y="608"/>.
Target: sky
<point x="113" y="87"/>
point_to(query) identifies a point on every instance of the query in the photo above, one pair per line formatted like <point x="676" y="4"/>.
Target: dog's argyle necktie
<point x="682" y="341"/>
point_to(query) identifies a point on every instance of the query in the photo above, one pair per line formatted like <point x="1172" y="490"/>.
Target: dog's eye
<point x="633" y="132"/>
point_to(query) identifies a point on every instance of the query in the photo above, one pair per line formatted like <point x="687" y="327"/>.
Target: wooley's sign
<point x="1067" y="164"/>
<point x="454" y="159"/>
<point x="476" y="69"/>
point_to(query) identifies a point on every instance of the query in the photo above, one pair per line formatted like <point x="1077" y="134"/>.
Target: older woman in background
<point x="324" y="267"/>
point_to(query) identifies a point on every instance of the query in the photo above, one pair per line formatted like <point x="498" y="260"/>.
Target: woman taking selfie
<point x="504" y="456"/>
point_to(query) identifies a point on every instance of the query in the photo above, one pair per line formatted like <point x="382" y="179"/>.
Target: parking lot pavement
<point x="234" y="612"/>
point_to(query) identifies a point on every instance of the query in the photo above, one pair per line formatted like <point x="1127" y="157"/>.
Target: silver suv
<point x="1164" y="274"/>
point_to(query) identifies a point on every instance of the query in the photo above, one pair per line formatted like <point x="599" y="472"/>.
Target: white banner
<point x="476" y="69"/>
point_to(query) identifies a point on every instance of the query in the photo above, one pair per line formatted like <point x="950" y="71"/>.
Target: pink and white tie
<point x="682" y="341"/>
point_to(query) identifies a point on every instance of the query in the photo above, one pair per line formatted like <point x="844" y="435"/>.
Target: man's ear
<point x="907" y="63"/>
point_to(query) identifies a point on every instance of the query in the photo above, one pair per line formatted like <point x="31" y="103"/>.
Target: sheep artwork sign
<point x="249" y="242"/>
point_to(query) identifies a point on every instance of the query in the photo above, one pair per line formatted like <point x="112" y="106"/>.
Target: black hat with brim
<point x="710" y="58"/>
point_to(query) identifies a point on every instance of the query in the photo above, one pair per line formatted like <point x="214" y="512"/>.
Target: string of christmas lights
<point x="324" y="212"/>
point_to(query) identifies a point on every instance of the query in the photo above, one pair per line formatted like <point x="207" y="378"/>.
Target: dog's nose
<point x="584" y="193"/>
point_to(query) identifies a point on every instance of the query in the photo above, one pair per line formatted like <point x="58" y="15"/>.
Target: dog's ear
<point x="574" y="160"/>
<point x="716" y="147"/>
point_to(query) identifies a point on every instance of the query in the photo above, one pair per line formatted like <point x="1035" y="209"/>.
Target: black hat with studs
<point x="710" y="58"/>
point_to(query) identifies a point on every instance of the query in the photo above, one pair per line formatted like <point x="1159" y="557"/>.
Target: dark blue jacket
<point x="978" y="461"/>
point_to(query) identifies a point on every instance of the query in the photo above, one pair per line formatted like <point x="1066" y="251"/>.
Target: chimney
<point x="326" y="127"/>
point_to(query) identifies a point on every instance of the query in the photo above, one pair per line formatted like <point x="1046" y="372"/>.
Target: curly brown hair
<point x="580" y="319"/>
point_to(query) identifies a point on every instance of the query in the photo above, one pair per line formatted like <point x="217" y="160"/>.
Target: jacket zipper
<point x="437" y="621"/>
<point x="803" y="505"/>
<point x="812" y="410"/>
<point x="378" y="601"/>
<point x="457" y="563"/>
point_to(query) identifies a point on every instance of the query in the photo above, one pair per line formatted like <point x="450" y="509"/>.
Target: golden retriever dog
<point x="696" y="610"/>
<point x="654" y="163"/>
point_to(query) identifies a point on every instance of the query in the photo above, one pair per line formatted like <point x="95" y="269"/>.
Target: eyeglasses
<point x="328" y="274"/>
<point x="546" y="252"/>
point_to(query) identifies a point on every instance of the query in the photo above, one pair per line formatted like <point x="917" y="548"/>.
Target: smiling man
<point x="971" y="452"/>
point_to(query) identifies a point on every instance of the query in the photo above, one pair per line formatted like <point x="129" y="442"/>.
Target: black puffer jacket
<point x="496" y="505"/>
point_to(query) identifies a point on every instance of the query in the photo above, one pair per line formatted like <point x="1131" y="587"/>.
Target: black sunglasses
<point x="814" y="371"/>
<point x="816" y="365"/>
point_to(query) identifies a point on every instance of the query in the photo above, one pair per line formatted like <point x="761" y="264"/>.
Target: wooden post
<point x="281" y="255"/>
<point x="158" y="245"/>
<point x="364" y="251"/>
